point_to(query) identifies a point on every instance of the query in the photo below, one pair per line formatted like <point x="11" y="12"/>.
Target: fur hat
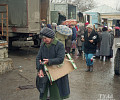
<point x="47" y="32"/>
<point x="90" y="26"/>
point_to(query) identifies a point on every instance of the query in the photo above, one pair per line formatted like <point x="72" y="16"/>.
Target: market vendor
<point x="52" y="52"/>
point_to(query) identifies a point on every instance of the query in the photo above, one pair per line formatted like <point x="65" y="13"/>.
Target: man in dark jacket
<point x="52" y="52"/>
<point x="91" y="38"/>
<point x="73" y="39"/>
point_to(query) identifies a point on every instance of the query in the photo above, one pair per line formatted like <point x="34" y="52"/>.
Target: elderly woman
<point x="52" y="52"/>
<point x="91" y="38"/>
<point x="80" y="35"/>
<point x="105" y="44"/>
<point x="110" y="30"/>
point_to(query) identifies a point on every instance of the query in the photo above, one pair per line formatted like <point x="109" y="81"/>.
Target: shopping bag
<point x="41" y="83"/>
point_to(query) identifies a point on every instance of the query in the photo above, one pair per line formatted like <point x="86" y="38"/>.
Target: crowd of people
<point x="84" y="39"/>
<point x="99" y="44"/>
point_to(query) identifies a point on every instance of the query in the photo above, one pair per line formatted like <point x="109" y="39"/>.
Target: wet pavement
<point x="101" y="84"/>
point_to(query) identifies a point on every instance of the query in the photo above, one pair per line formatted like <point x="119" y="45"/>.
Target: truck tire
<point x="117" y="62"/>
<point x="36" y="42"/>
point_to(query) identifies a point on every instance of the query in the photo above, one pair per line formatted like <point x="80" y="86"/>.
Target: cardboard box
<point x="55" y="72"/>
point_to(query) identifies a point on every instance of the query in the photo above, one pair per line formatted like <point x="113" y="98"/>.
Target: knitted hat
<point x="47" y="32"/>
<point x="90" y="26"/>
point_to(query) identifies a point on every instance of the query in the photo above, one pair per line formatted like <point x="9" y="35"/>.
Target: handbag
<point x="41" y="83"/>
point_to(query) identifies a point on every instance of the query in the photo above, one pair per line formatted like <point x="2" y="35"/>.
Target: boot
<point x="80" y="53"/>
<point x="88" y="69"/>
<point x="73" y="51"/>
<point x="100" y="58"/>
<point x="91" y="68"/>
<point x="104" y="58"/>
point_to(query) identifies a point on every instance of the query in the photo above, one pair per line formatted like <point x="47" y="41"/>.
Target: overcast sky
<point x="112" y="3"/>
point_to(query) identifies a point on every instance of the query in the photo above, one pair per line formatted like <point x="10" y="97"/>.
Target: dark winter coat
<point x="88" y="46"/>
<point x="55" y="53"/>
<point x="79" y="37"/>
<point x="112" y="38"/>
<point x="74" y="33"/>
<point x="105" y="44"/>
<point x="68" y="41"/>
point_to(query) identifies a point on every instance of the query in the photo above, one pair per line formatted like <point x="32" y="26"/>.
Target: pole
<point x="2" y="24"/>
<point x="7" y="22"/>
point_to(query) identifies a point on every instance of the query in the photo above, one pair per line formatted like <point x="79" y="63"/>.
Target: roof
<point x="103" y="9"/>
<point x="64" y="4"/>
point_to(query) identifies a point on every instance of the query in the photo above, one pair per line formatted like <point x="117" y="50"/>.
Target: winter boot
<point x="104" y="58"/>
<point x="88" y="69"/>
<point x="101" y="58"/>
<point x="91" y="68"/>
<point x="80" y="53"/>
<point x="73" y="51"/>
<point x="48" y="99"/>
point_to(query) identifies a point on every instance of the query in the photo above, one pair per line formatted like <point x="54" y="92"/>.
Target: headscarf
<point x="49" y="26"/>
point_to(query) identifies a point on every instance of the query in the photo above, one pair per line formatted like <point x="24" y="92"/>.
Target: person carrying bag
<point x="51" y="52"/>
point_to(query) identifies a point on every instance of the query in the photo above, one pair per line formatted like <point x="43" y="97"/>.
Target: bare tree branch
<point x="51" y="1"/>
<point x="117" y="5"/>
<point x="84" y="5"/>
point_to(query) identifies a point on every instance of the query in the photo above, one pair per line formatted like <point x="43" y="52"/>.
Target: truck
<point x="24" y="21"/>
<point x="57" y="17"/>
<point x="117" y="60"/>
<point x="66" y="9"/>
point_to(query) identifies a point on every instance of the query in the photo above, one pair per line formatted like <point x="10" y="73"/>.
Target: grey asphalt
<point x="101" y="84"/>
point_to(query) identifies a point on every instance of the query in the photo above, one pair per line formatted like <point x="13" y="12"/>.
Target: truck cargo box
<point x="25" y="15"/>
<point x="24" y="19"/>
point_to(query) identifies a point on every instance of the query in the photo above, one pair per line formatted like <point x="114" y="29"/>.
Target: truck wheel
<point x="117" y="63"/>
<point x="37" y="43"/>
